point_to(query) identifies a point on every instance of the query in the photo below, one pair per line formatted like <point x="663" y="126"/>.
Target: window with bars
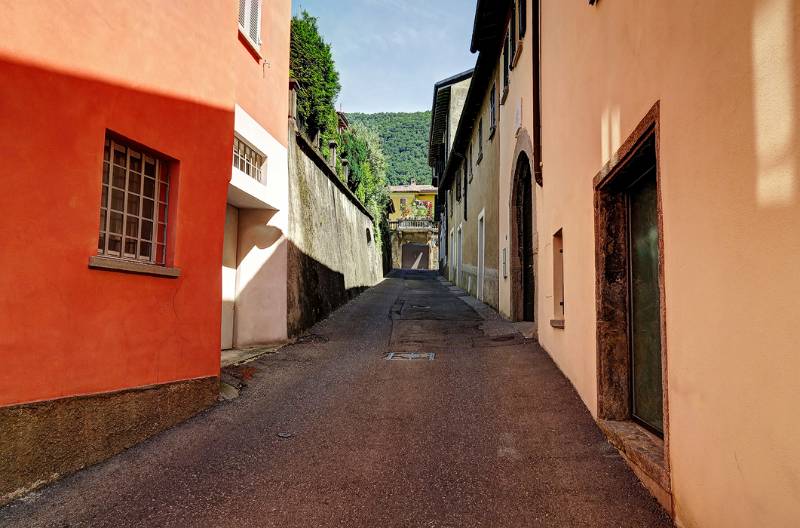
<point x="250" y="20"/>
<point x="133" y="210"/>
<point x="248" y="160"/>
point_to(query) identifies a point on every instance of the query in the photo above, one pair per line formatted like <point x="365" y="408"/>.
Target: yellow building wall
<point x="515" y="119"/>
<point x="396" y="198"/>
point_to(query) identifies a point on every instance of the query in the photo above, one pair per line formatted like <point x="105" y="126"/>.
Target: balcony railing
<point x="413" y="223"/>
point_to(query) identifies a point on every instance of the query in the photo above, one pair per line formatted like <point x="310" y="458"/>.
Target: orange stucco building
<point x="116" y="137"/>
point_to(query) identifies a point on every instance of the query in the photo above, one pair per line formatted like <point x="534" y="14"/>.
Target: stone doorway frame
<point x="647" y="454"/>
<point x="524" y="147"/>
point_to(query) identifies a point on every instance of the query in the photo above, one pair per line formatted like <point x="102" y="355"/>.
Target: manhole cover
<point x="410" y="356"/>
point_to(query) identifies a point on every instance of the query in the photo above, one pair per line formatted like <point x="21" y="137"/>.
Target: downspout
<point x="537" y="99"/>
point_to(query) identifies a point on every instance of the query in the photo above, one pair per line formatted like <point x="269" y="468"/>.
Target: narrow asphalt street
<point x="330" y="433"/>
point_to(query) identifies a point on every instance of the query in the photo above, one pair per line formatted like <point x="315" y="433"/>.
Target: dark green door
<point x="645" y="305"/>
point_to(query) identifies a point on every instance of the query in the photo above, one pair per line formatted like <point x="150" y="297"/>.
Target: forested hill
<point x="405" y="143"/>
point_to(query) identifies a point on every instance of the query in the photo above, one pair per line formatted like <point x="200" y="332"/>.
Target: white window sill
<point x="254" y="48"/>
<point x="248" y="193"/>
<point x="130" y="266"/>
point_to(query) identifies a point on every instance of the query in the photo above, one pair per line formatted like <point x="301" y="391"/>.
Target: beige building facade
<point x="657" y="194"/>
<point x="707" y="93"/>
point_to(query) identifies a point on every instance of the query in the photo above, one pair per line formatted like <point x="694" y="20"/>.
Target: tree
<point x="311" y="65"/>
<point x="405" y="143"/>
<point x="363" y="150"/>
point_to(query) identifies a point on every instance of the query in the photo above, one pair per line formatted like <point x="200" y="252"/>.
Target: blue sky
<point x="389" y="53"/>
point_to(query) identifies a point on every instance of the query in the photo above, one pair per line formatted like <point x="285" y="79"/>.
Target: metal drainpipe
<point x="537" y="99"/>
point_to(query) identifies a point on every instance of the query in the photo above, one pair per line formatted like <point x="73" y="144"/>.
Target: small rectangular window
<point x="480" y="139"/>
<point x="465" y="183"/>
<point x="250" y="20"/>
<point x="492" y="109"/>
<point x="134" y="204"/>
<point x="248" y="160"/>
<point x="506" y="64"/>
<point x="512" y="36"/>
<point x="468" y="172"/>
<point x="558" y="276"/>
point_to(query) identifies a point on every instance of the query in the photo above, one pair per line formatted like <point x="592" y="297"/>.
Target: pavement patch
<point x="410" y="356"/>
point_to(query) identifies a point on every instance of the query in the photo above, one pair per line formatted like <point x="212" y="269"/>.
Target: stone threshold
<point x="644" y="453"/>
<point x="233" y="357"/>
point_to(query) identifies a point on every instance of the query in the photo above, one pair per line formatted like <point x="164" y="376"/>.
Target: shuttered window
<point x="250" y="20"/>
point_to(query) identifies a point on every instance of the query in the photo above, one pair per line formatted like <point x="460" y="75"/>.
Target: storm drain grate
<point x="412" y="356"/>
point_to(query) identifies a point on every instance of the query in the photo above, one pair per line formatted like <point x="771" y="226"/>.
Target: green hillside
<point x="405" y="143"/>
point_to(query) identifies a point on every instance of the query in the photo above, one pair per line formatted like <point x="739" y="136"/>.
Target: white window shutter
<point x="242" y="14"/>
<point x="250" y="19"/>
<point x="255" y="20"/>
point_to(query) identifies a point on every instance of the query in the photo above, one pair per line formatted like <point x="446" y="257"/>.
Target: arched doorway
<point x="522" y="242"/>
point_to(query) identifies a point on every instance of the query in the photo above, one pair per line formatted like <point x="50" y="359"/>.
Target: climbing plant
<point x="366" y="173"/>
<point x="311" y="64"/>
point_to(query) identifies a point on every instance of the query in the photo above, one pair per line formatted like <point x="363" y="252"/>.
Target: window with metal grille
<point x="247" y="160"/>
<point x="133" y="210"/>
<point x="250" y="20"/>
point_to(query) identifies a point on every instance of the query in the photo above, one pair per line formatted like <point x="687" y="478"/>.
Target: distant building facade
<point x="448" y="102"/>
<point x="414" y="230"/>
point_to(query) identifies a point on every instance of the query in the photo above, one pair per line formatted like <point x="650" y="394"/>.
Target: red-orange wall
<point x="158" y="73"/>
<point x="262" y="83"/>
